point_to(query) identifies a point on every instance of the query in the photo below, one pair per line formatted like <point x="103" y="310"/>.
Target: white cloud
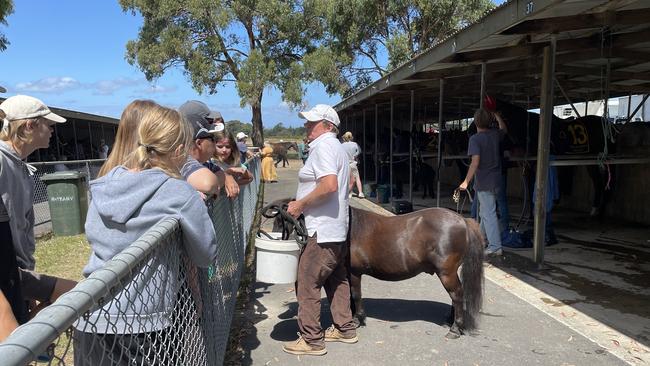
<point x="49" y="85"/>
<point x="108" y="87"/>
<point x="159" y="89"/>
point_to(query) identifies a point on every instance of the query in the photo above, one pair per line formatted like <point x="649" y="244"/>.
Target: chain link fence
<point x="99" y="322"/>
<point x="89" y="168"/>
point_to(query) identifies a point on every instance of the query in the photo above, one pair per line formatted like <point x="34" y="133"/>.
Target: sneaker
<point x="361" y="195"/>
<point x="334" y="335"/>
<point x="301" y="347"/>
<point x="493" y="253"/>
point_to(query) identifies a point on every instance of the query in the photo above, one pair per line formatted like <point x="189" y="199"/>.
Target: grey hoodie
<point x="124" y="206"/>
<point x="17" y="192"/>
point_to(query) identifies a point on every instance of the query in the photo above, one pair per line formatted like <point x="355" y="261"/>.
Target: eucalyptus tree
<point x="379" y="35"/>
<point x="256" y="45"/>
<point x="6" y="8"/>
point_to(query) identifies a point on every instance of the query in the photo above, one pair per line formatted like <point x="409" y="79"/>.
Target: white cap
<point x="241" y="135"/>
<point x="25" y="107"/>
<point x="321" y="112"/>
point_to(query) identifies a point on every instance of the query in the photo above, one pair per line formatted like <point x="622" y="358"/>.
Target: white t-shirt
<point x="328" y="217"/>
<point x="352" y="149"/>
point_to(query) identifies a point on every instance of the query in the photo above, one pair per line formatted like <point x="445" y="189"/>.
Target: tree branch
<point x="374" y="61"/>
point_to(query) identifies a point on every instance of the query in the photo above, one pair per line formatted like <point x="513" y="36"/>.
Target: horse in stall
<point x="395" y="248"/>
<point x="280" y="150"/>
<point x="580" y="136"/>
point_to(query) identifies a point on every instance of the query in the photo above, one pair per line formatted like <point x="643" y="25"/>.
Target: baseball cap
<point x="25" y="107"/>
<point x="241" y="135"/>
<point x="200" y="117"/>
<point x="321" y="112"/>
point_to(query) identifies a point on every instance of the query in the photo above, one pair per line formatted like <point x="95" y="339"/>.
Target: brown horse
<point x="435" y="241"/>
<point x="280" y="150"/>
<point x="394" y="248"/>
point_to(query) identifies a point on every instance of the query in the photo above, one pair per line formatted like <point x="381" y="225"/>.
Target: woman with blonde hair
<point x="353" y="150"/>
<point x="127" y="201"/>
<point x="126" y="139"/>
<point x="227" y="157"/>
<point x="269" y="174"/>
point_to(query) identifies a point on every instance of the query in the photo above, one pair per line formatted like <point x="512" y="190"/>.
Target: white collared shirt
<point x="328" y="217"/>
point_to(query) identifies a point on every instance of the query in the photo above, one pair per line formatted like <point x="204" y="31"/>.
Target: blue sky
<point x="71" y="53"/>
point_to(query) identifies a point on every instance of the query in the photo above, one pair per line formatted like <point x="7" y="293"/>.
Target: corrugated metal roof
<point x="510" y="39"/>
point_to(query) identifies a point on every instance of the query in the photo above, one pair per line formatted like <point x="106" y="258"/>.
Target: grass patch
<point x="62" y="256"/>
<point x="65" y="257"/>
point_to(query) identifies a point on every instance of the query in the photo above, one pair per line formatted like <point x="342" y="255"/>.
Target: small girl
<point x="227" y="157"/>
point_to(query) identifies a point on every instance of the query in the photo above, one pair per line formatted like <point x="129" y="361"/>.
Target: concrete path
<point x="406" y="323"/>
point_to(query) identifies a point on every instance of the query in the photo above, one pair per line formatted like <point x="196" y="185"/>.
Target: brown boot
<point x="301" y="347"/>
<point x="334" y="335"/>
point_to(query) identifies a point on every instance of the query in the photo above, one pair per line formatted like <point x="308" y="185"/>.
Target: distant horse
<point x="435" y="241"/>
<point x="280" y="150"/>
<point x="584" y="135"/>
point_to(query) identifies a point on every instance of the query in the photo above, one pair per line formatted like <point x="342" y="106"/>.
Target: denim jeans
<point x="489" y="222"/>
<point x="502" y="204"/>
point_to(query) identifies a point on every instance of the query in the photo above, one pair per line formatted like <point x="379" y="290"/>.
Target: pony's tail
<point x="472" y="275"/>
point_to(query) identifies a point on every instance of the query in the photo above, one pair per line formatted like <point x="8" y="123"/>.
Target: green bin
<point x="68" y="200"/>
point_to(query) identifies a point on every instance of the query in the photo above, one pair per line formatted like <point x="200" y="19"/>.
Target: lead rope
<point x="289" y="223"/>
<point x="456" y="197"/>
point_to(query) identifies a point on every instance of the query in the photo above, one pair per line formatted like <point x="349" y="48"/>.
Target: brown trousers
<point x="323" y="265"/>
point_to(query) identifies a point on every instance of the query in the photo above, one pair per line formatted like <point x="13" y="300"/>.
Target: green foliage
<point x="6" y="9"/>
<point x="256" y="45"/>
<point x="366" y="30"/>
<point x="279" y="130"/>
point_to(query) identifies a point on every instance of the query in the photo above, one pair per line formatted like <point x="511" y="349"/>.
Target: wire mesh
<point x="149" y="305"/>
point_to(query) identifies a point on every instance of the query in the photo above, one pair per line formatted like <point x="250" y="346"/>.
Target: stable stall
<point x="528" y="54"/>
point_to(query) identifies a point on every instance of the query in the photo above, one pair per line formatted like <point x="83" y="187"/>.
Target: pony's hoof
<point x="452" y="335"/>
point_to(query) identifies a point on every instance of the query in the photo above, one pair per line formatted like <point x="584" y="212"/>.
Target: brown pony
<point x="394" y="248"/>
<point x="435" y="241"/>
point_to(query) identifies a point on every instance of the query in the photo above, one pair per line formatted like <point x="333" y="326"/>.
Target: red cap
<point x="489" y="103"/>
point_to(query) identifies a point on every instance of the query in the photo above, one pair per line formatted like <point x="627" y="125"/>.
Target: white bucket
<point x="277" y="260"/>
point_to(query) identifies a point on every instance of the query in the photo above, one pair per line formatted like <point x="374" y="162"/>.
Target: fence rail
<point x="98" y="322"/>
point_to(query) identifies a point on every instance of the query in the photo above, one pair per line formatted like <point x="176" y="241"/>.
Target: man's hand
<point x="295" y="208"/>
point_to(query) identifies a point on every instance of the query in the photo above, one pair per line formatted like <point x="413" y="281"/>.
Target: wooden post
<point x="411" y="147"/>
<point x="365" y="147"/>
<point x="76" y="143"/>
<point x="90" y="136"/>
<point x="543" y="150"/>
<point x="376" y="144"/>
<point x="440" y="128"/>
<point x="58" y="147"/>
<point x="392" y="105"/>
<point x="483" y="83"/>
<point x="629" y="105"/>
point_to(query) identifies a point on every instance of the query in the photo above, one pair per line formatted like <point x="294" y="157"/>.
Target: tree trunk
<point x="258" y="127"/>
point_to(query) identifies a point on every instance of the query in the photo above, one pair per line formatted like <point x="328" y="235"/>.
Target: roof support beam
<point x="581" y="21"/>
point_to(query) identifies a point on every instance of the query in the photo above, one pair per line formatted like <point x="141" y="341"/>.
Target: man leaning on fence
<point x="323" y="198"/>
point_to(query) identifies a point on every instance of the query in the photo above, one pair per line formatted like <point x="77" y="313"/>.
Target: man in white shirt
<point x="323" y="198"/>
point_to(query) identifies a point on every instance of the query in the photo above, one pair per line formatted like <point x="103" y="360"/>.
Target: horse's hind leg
<point x="358" y="313"/>
<point x="452" y="284"/>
